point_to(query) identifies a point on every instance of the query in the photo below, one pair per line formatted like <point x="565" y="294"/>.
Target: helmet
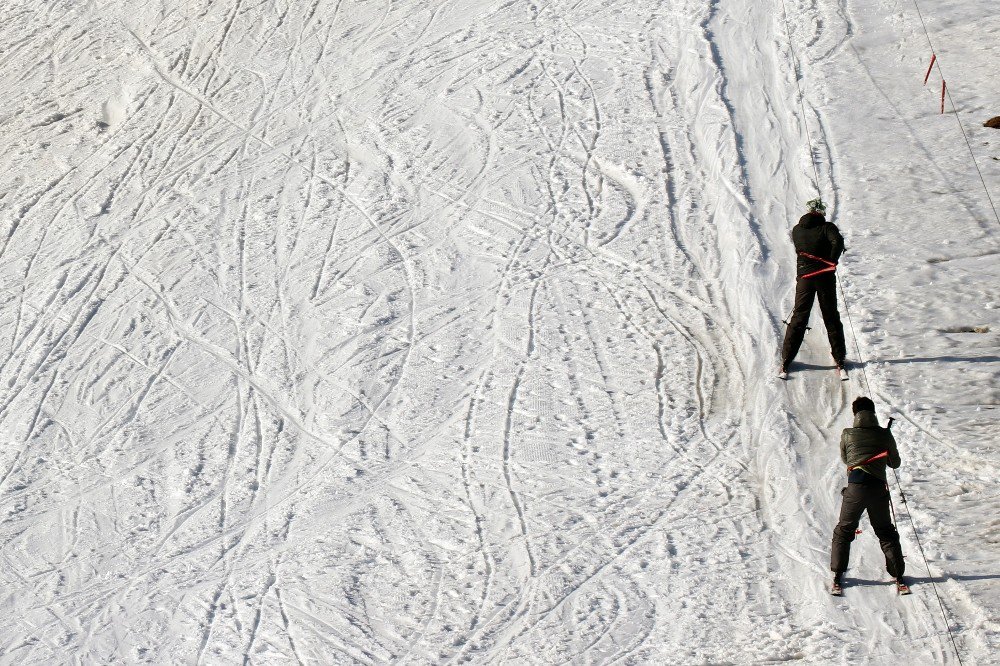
<point x="816" y="206"/>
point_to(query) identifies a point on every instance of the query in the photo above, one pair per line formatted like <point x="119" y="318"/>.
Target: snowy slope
<point x="354" y="331"/>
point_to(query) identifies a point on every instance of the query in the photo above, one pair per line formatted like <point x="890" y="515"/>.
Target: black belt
<point x="864" y="478"/>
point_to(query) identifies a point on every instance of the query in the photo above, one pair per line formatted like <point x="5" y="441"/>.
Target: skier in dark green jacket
<point x="866" y="449"/>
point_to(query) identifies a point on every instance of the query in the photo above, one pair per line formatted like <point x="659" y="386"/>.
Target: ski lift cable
<point x="920" y="547"/>
<point x="854" y="334"/>
<point x="954" y="109"/>
<point x="802" y="105"/>
<point x="847" y="309"/>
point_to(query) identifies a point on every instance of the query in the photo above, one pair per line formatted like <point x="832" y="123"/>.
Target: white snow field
<point x="445" y="331"/>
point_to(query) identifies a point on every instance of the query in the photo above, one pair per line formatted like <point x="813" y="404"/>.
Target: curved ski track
<point x="380" y="332"/>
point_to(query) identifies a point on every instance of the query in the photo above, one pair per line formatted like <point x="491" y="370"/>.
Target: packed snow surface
<point x="434" y="331"/>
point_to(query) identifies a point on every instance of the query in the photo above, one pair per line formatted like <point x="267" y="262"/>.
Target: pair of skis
<point x="837" y="589"/>
<point x="840" y="369"/>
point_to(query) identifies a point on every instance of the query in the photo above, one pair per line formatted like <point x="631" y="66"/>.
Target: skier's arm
<point x="836" y="241"/>
<point x="893" y="460"/>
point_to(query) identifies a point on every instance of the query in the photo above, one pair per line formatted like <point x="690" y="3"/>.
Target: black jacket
<point x="814" y="235"/>
<point x="866" y="439"/>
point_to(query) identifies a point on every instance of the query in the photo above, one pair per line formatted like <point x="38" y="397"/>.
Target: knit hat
<point x="816" y="206"/>
<point x="863" y="404"/>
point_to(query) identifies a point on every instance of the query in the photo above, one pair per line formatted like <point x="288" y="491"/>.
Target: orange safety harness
<point x="877" y="456"/>
<point x="829" y="268"/>
<point x="884" y="454"/>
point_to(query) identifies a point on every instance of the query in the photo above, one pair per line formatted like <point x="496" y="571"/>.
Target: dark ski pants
<point x="858" y="498"/>
<point x="806" y="289"/>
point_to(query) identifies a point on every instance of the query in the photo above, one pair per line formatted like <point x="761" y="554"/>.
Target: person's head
<point x="816" y="206"/>
<point x="863" y="404"/>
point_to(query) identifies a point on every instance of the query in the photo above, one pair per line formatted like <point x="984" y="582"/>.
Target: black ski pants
<point x="858" y="498"/>
<point x="823" y="287"/>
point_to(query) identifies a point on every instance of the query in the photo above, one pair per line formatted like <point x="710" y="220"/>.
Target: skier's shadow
<point x="851" y="365"/>
<point x="941" y="359"/>
<point x="914" y="580"/>
<point x="855" y="365"/>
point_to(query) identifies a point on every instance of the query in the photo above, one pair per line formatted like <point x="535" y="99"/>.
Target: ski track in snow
<point x="409" y="332"/>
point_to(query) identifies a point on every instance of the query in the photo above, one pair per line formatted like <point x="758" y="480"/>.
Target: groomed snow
<point x="435" y="331"/>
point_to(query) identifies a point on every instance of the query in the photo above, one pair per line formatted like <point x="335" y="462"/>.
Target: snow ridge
<point x="416" y="332"/>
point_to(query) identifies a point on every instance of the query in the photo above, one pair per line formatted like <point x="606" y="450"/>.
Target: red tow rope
<point x="830" y="265"/>
<point x="884" y="454"/>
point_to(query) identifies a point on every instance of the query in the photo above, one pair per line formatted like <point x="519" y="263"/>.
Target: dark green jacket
<point x="865" y="440"/>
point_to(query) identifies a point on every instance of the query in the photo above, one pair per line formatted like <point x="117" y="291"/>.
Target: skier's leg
<point x="804" y="294"/>
<point x="826" y="288"/>
<point x="888" y="537"/>
<point x="851" y="508"/>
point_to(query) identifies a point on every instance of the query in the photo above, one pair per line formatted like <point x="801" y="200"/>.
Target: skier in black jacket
<point x="866" y="450"/>
<point x="819" y="245"/>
